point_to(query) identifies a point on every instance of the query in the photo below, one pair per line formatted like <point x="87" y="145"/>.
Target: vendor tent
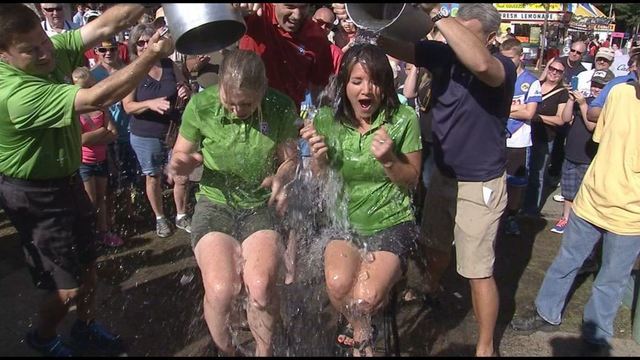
<point x="588" y="10"/>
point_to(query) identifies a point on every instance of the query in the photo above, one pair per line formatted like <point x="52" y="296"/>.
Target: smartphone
<point x="574" y="83"/>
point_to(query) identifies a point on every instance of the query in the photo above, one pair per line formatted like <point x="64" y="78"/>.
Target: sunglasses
<point x="58" y="9"/>
<point x="142" y="43"/>
<point x="103" y="50"/>
<point x="576" y="51"/>
<point x="555" y="70"/>
<point x="602" y="59"/>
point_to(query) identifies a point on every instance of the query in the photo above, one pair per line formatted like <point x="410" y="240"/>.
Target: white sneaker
<point x="558" y="198"/>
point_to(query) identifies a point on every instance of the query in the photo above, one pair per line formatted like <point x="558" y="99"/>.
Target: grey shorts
<point x="237" y="223"/>
<point x="400" y="240"/>
<point x="572" y="175"/>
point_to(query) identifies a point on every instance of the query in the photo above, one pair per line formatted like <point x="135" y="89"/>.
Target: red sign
<point x="617" y="34"/>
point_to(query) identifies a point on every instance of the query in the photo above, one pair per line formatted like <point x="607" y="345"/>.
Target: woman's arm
<point x="567" y="112"/>
<point x="410" y="89"/>
<point x="184" y="158"/>
<point x="402" y="170"/>
<point x="287" y="154"/>
<point x="555" y="120"/>
<point x="159" y="105"/>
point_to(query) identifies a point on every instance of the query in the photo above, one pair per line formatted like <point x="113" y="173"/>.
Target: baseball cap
<point x="602" y="77"/>
<point x="606" y="53"/>
<point x="90" y="15"/>
<point x="159" y="15"/>
<point x="108" y="43"/>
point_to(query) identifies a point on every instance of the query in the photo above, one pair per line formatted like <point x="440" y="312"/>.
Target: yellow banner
<point x="526" y="7"/>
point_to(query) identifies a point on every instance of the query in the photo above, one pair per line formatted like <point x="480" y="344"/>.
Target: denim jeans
<point x="538" y="162"/>
<point x="619" y="253"/>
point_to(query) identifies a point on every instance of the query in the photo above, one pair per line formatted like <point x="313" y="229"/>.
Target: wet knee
<point x="259" y="292"/>
<point x="368" y="301"/>
<point x="338" y="286"/>
<point x="220" y="294"/>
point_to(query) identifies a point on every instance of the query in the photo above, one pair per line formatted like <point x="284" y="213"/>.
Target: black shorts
<point x="517" y="167"/>
<point x="400" y="240"/>
<point x="57" y="226"/>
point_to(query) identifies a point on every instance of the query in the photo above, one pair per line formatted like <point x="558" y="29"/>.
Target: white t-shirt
<point x="528" y="89"/>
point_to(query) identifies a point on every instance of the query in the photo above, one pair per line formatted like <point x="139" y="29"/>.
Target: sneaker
<point x="112" y="240"/>
<point x="163" y="228"/>
<point x="52" y="348"/>
<point x="531" y="322"/>
<point x="558" y="198"/>
<point x="94" y="335"/>
<point x="184" y="224"/>
<point x="559" y="227"/>
<point x="511" y="226"/>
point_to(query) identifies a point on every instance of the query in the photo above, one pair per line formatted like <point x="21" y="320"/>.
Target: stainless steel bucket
<point x="396" y="21"/>
<point x="201" y="28"/>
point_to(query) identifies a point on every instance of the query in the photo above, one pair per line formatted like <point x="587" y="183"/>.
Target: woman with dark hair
<point x="373" y="143"/>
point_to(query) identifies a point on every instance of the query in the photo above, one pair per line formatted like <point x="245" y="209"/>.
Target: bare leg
<point x="53" y="309"/>
<point x="566" y="208"/>
<point x="218" y="256"/>
<point x="484" y="296"/>
<point x="154" y="194"/>
<point x="262" y="253"/>
<point x="371" y="292"/>
<point x="180" y="193"/>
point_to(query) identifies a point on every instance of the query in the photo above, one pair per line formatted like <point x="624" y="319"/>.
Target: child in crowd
<point x="98" y="130"/>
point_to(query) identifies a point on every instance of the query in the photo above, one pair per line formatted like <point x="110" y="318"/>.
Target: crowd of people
<point x="440" y="145"/>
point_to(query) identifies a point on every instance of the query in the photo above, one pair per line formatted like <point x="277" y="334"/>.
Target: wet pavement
<point x="150" y="292"/>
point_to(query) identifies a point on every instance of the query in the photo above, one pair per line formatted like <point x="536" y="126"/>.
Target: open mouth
<point x="365" y="104"/>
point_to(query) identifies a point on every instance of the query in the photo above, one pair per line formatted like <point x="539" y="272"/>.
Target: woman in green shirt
<point x="373" y="142"/>
<point x="248" y="137"/>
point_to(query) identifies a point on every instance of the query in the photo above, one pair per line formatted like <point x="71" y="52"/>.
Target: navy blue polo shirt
<point x="469" y="116"/>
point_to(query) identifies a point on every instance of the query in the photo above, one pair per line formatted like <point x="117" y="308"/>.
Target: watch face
<point x="444" y="12"/>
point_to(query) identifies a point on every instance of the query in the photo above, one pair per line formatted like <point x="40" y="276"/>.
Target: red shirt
<point x="336" y="54"/>
<point x="92" y="57"/>
<point x="293" y="61"/>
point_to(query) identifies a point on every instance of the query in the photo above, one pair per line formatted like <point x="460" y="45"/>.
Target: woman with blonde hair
<point x="248" y="137"/>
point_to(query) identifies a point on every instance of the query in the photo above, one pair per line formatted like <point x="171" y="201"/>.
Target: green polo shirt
<point x="238" y="153"/>
<point x="40" y="136"/>
<point x="374" y="202"/>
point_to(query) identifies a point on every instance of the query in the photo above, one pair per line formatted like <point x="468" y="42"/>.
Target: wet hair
<point x="511" y="43"/>
<point x="137" y="32"/>
<point x="375" y="62"/>
<point x="486" y="13"/>
<point x="15" y="19"/>
<point x="243" y="70"/>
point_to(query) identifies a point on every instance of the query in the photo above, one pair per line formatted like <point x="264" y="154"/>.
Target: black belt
<point x="60" y="182"/>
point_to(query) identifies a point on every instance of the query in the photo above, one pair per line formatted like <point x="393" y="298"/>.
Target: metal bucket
<point x="400" y="21"/>
<point x="201" y="28"/>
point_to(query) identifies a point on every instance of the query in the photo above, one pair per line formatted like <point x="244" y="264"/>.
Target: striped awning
<point x="588" y="10"/>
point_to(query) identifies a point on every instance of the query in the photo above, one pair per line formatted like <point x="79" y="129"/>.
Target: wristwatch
<point x="444" y="13"/>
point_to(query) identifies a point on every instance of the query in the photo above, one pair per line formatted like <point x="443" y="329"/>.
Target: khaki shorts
<point x="468" y="212"/>
<point x="237" y="223"/>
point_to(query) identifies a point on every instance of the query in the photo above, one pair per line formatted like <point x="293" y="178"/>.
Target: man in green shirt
<point x="40" y="148"/>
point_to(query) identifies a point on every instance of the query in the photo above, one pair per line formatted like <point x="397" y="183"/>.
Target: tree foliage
<point x="627" y="14"/>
